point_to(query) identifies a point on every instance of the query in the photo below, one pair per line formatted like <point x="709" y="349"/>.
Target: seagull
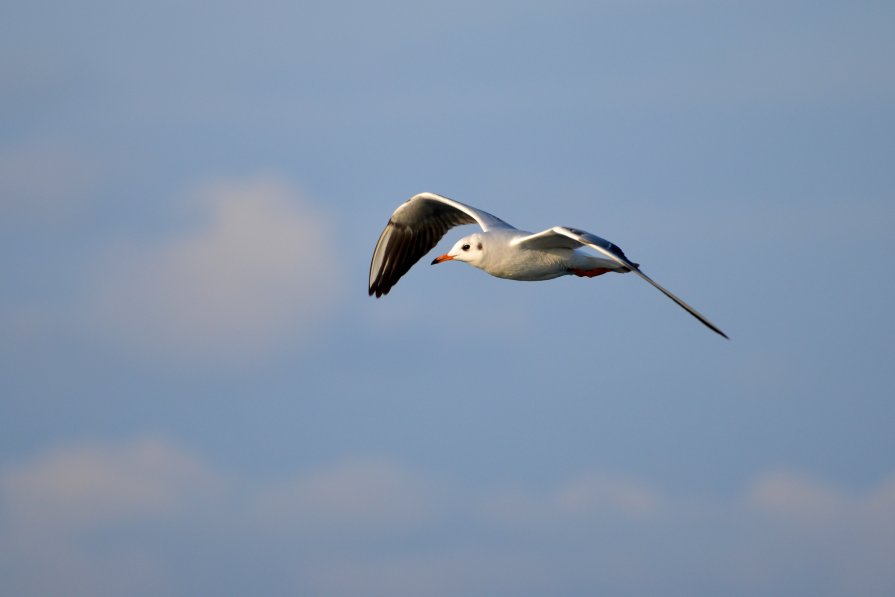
<point x="499" y="249"/>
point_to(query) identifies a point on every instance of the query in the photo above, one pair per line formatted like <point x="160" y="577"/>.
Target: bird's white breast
<point x="503" y="260"/>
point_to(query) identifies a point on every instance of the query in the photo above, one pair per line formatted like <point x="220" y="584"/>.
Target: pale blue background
<point x="198" y="397"/>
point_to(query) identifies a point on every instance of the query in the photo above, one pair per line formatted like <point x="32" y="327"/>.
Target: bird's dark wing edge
<point x="412" y="231"/>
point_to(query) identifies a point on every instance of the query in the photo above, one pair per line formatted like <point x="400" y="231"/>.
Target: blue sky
<point x="199" y="397"/>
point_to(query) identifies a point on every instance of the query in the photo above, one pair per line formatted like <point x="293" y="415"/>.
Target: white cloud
<point x="52" y="505"/>
<point x="848" y="534"/>
<point x="258" y="268"/>
<point x="368" y="495"/>
<point x="592" y="493"/>
<point x="796" y="497"/>
<point x="587" y="498"/>
<point x="85" y="486"/>
<point x="147" y="517"/>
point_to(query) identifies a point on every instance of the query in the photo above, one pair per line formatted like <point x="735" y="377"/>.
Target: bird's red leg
<point x="589" y="273"/>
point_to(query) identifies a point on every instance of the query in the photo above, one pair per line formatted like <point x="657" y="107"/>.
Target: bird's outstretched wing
<point x="415" y="227"/>
<point x="562" y="236"/>
<point x="552" y="238"/>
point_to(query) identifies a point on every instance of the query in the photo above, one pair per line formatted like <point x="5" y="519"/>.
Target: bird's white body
<point x="528" y="264"/>
<point x="499" y="249"/>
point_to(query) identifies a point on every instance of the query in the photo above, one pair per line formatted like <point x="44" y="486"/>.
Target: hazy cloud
<point x="805" y="501"/>
<point x="255" y="268"/>
<point x="85" y="486"/>
<point x="56" y="508"/>
<point x="592" y="493"/>
<point x="589" y="497"/>
<point x="375" y="495"/>
<point x="796" y="497"/>
<point x="354" y="528"/>
<point x="844" y="537"/>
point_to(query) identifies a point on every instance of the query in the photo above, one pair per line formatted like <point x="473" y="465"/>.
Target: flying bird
<point x="499" y="249"/>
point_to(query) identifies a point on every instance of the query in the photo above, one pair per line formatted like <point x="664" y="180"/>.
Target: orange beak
<point x="441" y="258"/>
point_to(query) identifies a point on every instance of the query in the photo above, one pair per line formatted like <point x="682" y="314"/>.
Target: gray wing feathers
<point x="415" y="227"/>
<point x="614" y="253"/>
<point x="572" y="238"/>
<point x="593" y="239"/>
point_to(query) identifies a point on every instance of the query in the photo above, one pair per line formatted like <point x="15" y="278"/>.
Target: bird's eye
<point x="465" y="247"/>
<point x="480" y="246"/>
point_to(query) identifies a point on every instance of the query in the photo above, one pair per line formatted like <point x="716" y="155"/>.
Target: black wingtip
<point x="377" y="291"/>
<point x="715" y="329"/>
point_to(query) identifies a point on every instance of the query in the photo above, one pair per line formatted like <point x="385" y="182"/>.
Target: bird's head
<point x="469" y="249"/>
